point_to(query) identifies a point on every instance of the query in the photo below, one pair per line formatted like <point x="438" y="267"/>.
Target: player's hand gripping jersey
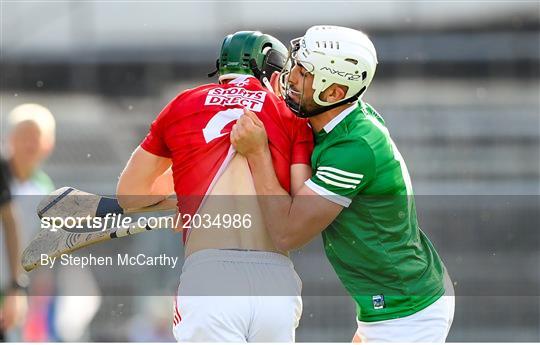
<point x="193" y="131"/>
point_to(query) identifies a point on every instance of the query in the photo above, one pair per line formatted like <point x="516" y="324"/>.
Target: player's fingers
<point x="239" y="131"/>
<point x="242" y="121"/>
<point x="234" y="134"/>
<point x="249" y="113"/>
<point x="248" y="122"/>
<point x="253" y="117"/>
<point x="234" y="138"/>
<point x="241" y="127"/>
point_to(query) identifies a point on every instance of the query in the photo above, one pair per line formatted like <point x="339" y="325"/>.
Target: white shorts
<point x="429" y="325"/>
<point x="237" y="296"/>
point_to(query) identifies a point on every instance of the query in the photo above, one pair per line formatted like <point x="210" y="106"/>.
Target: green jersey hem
<point x="400" y="313"/>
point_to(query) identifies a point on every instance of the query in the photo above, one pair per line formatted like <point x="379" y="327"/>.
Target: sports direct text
<point x="252" y="100"/>
<point x="114" y="221"/>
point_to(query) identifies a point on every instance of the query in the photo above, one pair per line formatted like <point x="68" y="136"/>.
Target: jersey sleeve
<point x="342" y="171"/>
<point x="154" y="142"/>
<point x="303" y="144"/>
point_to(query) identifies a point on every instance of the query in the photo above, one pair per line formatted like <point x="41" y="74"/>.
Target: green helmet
<point x="251" y="52"/>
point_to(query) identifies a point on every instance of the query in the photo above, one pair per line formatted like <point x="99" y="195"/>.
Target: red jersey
<point x="193" y="131"/>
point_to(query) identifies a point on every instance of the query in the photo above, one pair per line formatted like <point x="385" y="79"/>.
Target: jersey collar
<point x="336" y="120"/>
<point x="235" y="78"/>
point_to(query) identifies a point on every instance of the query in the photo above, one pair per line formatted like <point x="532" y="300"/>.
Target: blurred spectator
<point x="31" y="141"/>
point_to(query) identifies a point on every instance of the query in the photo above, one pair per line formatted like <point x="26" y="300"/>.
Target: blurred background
<point x="458" y="86"/>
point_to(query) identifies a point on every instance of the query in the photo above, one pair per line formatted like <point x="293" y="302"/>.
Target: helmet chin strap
<point x="260" y="75"/>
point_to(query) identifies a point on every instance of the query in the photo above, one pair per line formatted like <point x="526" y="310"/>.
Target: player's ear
<point x="334" y="93"/>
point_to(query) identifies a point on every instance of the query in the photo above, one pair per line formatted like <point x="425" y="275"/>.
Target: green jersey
<point x="378" y="251"/>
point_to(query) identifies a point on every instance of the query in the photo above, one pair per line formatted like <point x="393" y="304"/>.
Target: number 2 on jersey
<point x="219" y="121"/>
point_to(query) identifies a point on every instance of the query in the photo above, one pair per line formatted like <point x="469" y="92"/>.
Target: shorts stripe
<point x="176" y="314"/>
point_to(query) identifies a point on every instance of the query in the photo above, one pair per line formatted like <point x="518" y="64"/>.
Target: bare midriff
<point x="232" y="194"/>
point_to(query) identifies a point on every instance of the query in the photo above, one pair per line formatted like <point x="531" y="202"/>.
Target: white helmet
<point x="335" y="54"/>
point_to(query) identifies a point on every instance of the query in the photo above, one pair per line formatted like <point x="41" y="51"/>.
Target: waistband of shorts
<point x="232" y="255"/>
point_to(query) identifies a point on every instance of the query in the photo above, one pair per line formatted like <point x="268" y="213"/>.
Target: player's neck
<point x="319" y="121"/>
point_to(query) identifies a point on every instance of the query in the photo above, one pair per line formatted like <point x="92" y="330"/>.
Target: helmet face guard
<point x="333" y="55"/>
<point x="297" y="107"/>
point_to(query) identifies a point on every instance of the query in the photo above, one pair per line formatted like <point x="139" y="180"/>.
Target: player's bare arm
<point x="300" y="173"/>
<point x="146" y="180"/>
<point x="291" y="221"/>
